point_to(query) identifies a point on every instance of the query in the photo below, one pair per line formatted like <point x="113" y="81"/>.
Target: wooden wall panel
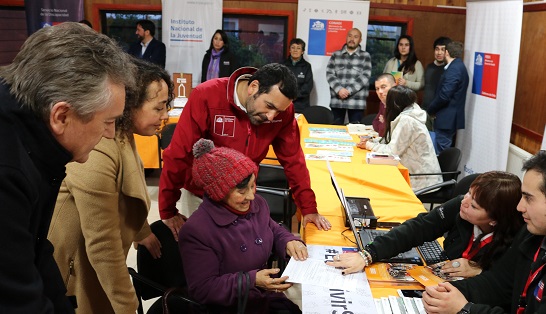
<point x="530" y="102"/>
<point x="429" y="23"/>
<point x="427" y="26"/>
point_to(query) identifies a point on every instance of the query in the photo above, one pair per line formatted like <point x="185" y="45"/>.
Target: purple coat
<point x="215" y="244"/>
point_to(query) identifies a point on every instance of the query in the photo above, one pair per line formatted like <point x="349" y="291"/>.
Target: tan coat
<point x="101" y="209"/>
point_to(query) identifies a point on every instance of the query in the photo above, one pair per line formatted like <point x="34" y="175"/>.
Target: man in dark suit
<point x="148" y="48"/>
<point x="448" y="104"/>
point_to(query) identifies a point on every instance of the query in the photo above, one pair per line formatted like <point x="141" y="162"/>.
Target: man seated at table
<point x="247" y="112"/>
<point x="383" y="84"/>
<point x="515" y="284"/>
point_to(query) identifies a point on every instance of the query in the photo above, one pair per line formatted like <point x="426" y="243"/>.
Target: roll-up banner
<point x="43" y="13"/>
<point x="491" y="55"/>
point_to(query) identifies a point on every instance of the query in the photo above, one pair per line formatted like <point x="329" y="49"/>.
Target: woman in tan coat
<point x="103" y="204"/>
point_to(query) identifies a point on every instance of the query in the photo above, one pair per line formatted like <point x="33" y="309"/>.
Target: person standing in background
<point x="218" y="60"/>
<point x="447" y="107"/>
<point x="147" y="47"/>
<point x="61" y="94"/>
<point x="303" y="72"/>
<point x="348" y="74"/>
<point x="433" y="73"/>
<point x="405" y="61"/>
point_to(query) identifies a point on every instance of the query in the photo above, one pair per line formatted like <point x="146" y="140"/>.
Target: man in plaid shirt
<point x="348" y="73"/>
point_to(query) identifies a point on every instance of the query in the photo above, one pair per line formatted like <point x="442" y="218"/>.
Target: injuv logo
<point x="317" y="26"/>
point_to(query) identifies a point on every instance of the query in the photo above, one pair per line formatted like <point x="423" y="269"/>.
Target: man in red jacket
<point x="247" y="111"/>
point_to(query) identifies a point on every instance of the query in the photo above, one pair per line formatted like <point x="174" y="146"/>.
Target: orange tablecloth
<point x="387" y="187"/>
<point x="148" y="147"/>
<point x="390" y="195"/>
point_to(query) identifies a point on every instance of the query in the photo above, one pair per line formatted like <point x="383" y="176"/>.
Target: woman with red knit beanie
<point x="231" y="231"/>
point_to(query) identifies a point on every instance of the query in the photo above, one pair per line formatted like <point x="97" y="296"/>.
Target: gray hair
<point x="68" y="63"/>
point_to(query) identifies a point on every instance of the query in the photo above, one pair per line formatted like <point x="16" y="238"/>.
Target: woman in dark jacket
<point x="480" y="227"/>
<point x="303" y="72"/>
<point x="218" y="60"/>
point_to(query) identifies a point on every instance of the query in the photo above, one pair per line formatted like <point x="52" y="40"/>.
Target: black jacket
<point x="498" y="290"/>
<point x="304" y="74"/>
<point x="428" y="227"/>
<point x="32" y="167"/>
<point x="155" y="52"/>
<point x="228" y="64"/>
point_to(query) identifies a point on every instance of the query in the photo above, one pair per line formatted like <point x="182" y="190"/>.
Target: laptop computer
<point x="364" y="236"/>
<point x="360" y="207"/>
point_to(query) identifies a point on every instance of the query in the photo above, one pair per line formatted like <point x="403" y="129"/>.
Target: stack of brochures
<point x="390" y="275"/>
<point x="399" y="305"/>
<point x="382" y="159"/>
<point x="361" y="129"/>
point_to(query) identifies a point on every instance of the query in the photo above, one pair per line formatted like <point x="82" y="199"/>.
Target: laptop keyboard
<point x="432" y="252"/>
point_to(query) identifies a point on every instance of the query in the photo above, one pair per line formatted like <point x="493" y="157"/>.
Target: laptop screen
<point x="342" y="199"/>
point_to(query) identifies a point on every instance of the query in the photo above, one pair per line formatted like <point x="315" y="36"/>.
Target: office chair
<point x="462" y="187"/>
<point x="281" y="204"/>
<point x="156" y="277"/>
<point x="318" y="115"/>
<point x="368" y="119"/>
<point x="164" y="138"/>
<point x="459" y="188"/>
<point x="449" y="160"/>
<point x="272" y="176"/>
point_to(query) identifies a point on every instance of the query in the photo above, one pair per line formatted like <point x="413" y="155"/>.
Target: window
<point x="121" y="25"/>
<point x="380" y="43"/>
<point x="256" y="39"/>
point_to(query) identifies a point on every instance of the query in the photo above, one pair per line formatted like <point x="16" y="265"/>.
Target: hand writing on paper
<point x="363" y="141"/>
<point x="320" y="221"/>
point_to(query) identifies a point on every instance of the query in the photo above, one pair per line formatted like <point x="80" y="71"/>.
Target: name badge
<point x="539" y="290"/>
<point x="224" y="125"/>
<point x="226" y="62"/>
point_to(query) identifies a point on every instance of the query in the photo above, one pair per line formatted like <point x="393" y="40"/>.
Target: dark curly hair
<point x="146" y="74"/>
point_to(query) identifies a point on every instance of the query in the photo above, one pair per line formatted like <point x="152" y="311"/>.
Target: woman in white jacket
<point x="407" y="136"/>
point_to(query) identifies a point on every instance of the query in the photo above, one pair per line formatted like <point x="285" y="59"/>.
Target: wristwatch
<point x="466" y="308"/>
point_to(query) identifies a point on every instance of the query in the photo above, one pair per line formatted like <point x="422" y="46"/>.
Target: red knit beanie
<point x="218" y="170"/>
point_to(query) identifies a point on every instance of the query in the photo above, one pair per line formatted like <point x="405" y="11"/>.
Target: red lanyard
<point x="532" y="276"/>
<point x="471" y="251"/>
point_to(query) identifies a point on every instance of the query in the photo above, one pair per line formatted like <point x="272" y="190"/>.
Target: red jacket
<point x="211" y="113"/>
